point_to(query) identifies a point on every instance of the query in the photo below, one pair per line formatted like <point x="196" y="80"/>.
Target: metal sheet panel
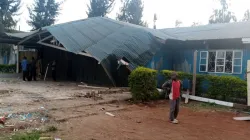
<point x="102" y="37"/>
<point x="211" y="31"/>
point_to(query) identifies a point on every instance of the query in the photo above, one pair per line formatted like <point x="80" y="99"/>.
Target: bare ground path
<point x="80" y="118"/>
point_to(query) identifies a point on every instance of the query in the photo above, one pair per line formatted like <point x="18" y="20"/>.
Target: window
<point x="221" y="61"/>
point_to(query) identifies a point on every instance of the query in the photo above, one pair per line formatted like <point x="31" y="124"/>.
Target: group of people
<point x="30" y="69"/>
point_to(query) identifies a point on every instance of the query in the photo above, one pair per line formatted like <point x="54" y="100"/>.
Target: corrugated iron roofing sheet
<point x="211" y="31"/>
<point x="102" y="37"/>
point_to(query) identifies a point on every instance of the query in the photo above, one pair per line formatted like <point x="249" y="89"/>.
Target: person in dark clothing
<point x="173" y="88"/>
<point x="24" y="65"/>
<point x="29" y="76"/>
<point x="53" y="68"/>
<point x="33" y="68"/>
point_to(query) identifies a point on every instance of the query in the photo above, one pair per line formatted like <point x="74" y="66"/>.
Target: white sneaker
<point x="174" y="121"/>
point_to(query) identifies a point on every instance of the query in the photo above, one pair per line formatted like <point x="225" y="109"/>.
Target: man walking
<point x="173" y="88"/>
<point x="24" y="68"/>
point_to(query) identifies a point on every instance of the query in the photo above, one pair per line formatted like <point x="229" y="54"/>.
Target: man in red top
<point x="173" y="88"/>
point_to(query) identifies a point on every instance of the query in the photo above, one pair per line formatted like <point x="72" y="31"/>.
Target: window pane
<point x="211" y="61"/>
<point x="220" y="62"/>
<point x="237" y="61"/>
<point x="237" y="69"/>
<point x="220" y="54"/>
<point x="203" y="61"/>
<point x="228" y="67"/>
<point x="229" y="56"/>
<point x="219" y="68"/>
<point x="237" y="54"/>
<point x="203" y="68"/>
<point x="203" y="54"/>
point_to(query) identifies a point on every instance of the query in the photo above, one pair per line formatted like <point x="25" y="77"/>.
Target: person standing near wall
<point x="173" y="88"/>
<point x="53" y="68"/>
<point x="33" y="68"/>
<point x="24" y="68"/>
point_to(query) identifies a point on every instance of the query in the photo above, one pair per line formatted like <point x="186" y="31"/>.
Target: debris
<point x="201" y="99"/>
<point x="138" y="121"/>
<point x="45" y="138"/>
<point x="2" y="120"/>
<point x="242" y="118"/>
<point x="110" y="114"/>
<point x="102" y="109"/>
<point x="86" y="86"/>
<point x="42" y="107"/>
<point x="1" y="126"/>
<point x="83" y="83"/>
<point x="58" y="139"/>
<point x="44" y="119"/>
<point x="187" y="97"/>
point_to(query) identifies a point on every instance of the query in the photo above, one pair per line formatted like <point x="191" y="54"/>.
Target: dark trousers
<point x="174" y="109"/>
<point x="33" y="74"/>
<point x="54" y="75"/>
<point x="25" y="75"/>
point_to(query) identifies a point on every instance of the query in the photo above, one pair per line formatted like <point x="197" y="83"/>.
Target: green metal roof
<point x="102" y="37"/>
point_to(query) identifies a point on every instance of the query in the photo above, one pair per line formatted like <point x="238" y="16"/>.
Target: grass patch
<point x="201" y="105"/>
<point x="51" y="129"/>
<point x="35" y="135"/>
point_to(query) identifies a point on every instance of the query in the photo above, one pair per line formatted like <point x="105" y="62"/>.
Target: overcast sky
<point x="168" y="11"/>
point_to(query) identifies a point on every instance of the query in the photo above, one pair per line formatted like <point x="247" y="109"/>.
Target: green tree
<point x="99" y="8"/>
<point x="9" y="9"/>
<point x="132" y="12"/>
<point x="222" y="15"/>
<point x="43" y="13"/>
<point x="155" y="19"/>
<point x="246" y="16"/>
<point x="195" y="24"/>
<point x="178" y="23"/>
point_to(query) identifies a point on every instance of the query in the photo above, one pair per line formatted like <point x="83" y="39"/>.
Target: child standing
<point x="173" y="88"/>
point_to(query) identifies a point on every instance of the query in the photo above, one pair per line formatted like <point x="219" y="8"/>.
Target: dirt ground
<point x="34" y="105"/>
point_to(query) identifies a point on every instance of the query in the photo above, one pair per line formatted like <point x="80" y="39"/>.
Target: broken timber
<point x="196" y="98"/>
<point x="248" y="81"/>
<point x="242" y="118"/>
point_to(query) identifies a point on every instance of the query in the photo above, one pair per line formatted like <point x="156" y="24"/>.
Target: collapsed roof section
<point x="101" y="37"/>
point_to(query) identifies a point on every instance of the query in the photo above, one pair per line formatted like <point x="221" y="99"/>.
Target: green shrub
<point x="226" y="88"/>
<point x="143" y="84"/>
<point x="7" y="68"/>
<point x="35" y="135"/>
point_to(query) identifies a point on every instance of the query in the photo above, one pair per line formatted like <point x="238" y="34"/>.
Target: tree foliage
<point x="99" y="8"/>
<point x="132" y="12"/>
<point x="246" y="16"/>
<point x="43" y="13"/>
<point x="178" y="23"/>
<point x="222" y="15"/>
<point x="9" y="9"/>
<point x="195" y="24"/>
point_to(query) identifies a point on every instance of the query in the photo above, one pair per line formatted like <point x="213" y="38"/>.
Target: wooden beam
<point x="48" y="37"/>
<point x="110" y="77"/>
<point x="248" y="82"/>
<point x="17" y="60"/>
<point x="194" y="72"/>
<point x="63" y="49"/>
<point x="201" y="99"/>
<point x="29" y="37"/>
